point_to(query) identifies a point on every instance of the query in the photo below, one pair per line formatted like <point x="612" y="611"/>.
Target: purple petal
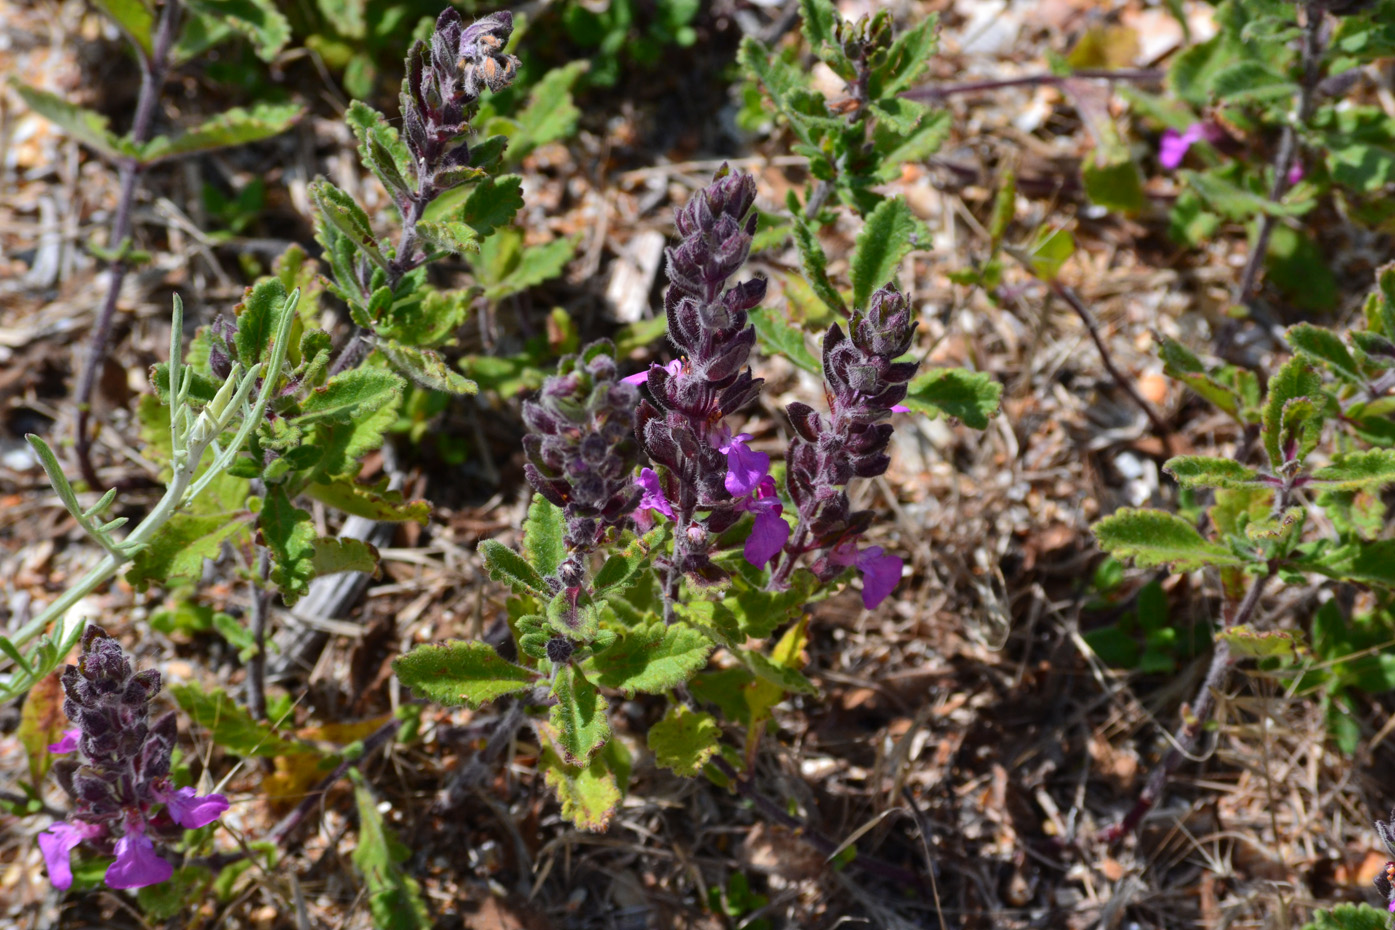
<point x="880" y="575"/>
<point x="1295" y="174"/>
<point x="767" y="538"/>
<point x="843" y="554"/>
<point x="56" y="843"/>
<point x="191" y="811"/>
<point x="637" y="379"/>
<point x="900" y="408"/>
<point x="136" y="864"/>
<point x="653" y="498"/>
<point x="68" y="743"/>
<point x="745" y="468"/>
<point x="1173" y="147"/>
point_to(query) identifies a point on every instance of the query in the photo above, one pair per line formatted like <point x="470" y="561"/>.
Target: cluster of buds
<point x="124" y="772"/>
<point x="1385" y="881"/>
<point x="581" y="449"/>
<point x="865" y="385"/>
<point x="444" y="80"/>
<point x="704" y="467"/>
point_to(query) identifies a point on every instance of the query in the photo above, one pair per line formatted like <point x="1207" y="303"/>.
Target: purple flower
<point x="745" y="468"/>
<point x="136" y="863"/>
<point x="56" y="843"/>
<point x="1295" y="174"/>
<point x="191" y="810"/>
<point x="639" y="379"/>
<point x="68" y="743"/>
<point x="770" y="532"/>
<point x="653" y="498"/>
<point x="880" y="572"/>
<point x="1174" y="145"/>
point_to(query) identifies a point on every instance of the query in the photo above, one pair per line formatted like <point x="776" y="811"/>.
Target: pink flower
<point x="68" y="743"/>
<point x="136" y="863"/>
<point x="653" y="498"/>
<point x="191" y="810"/>
<point x="674" y="368"/>
<point x="880" y="573"/>
<point x="770" y="532"/>
<point x="56" y="843"/>
<point x="1295" y="174"/>
<point x="1174" y="145"/>
<point x="745" y="468"/>
<point x="900" y="408"/>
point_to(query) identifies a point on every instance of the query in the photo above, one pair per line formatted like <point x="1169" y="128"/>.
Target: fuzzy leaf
<point x="1323" y="346"/>
<point x="233" y="127"/>
<point x="1296" y="379"/>
<point x="778" y="675"/>
<point x="1349" y="917"/>
<point x="374" y="503"/>
<point x="550" y="113"/>
<point x="380" y="147"/>
<point x="1369" y="563"/>
<point x="135" y="17"/>
<point x="175" y="555"/>
<point x="759" y="612"/>
<point x="1200" y="471"/>
<point x="469" y="673"/>
<point x="813" y="259"/>
<point x="543" y="531"/>
<point x="350" y="395"/>
<point x="1251" y="81"/>
<point x="514" y="268"/>
<point x="778" y="338"/>
<point x="89" y="128"/>
<point x="41" y="724"/>
<point x="257" y="318"/>
<point x="906" y="59"/>
<point x="651" y="659"/>
<point x="426" y="368"/>
<point x="1358" y="470"/>
<point x="1232" y="389"/>
<point x="229" y="724"/>
<point x="1153" y="537"/>
<point x="493" y="203"/>
<point x="589" y="796"/>
<point x="971" y="397"/>
<point x="888" y="236"/>
<point x="450" y="236"/>
<point x="394" y="898"/>
<point x="507" y="566"/>
<point x="684" y="740"/>
<point x="341" y="210"/>
<point x="578" y="717"/>
<point x="289" y="533"/>
<point x="333" y="555"/>
<point x="1250" y="643"/>
<point x="259" y="20"/>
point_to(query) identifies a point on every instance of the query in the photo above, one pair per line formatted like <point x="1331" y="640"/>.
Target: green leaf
<point x="1153" y="538"/>
<point x="1358" y="470"/>
<point x="1200" y="471"/>
<point x="651" y="659"/>
<point x="1296" y="266"/>
<point x="550" y="113"/>
<point x="589" y="796"/>
<point x="134" y="17"/>
<point x="788" y="680"/>
<point x="543" y="533"/>
<point x="289" y="533"/>
<point x="41" y="724"/>
<point x="507" y="566"/>
<point x="349" y="395"/>
<point x="175" y="554"/>
<point x="380" y="147"/>
<point x="1050" y="249"/>
<point x="344" y="213"/>
<point x="526" y="267"/>
<point x="578" y="718"/>
<point x="87" y="127"/>
<point x="1250" y="643"/>
<point x="779" y="339"/>
<point x="1234" y="390"/>
<point x="449" y="236"/>
<point x="971" y="397"/>
<point x="906" y="59"/>
<point x="233" y="127"/>
<point x="229" y="724"/>
<point x="1251" y="82"/>
<point x="1349" y="917"/>
<point x="1323" y="346"/>
<point x="818" y="17"/>
<point x="888" y="236"/>
<point x="1361" y="167"/>
<point x="394" y="898"/>
<point x="1296" y="379"/>
<point x="758" y="612"/>
<point x="259" y="20"/>
<point x="493" y="203"/>
<point x="813" y="259"/>
<point x="1369" y="563"/>
<point x="425" y="367"/>
<point x="1235" y="202"/>
<point x="1115" y="184"/>
<point x="684" y="740"/>
<point x="374" y="503"/>
<point x="334" y="555"/>
<point x="469" y="673"/>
